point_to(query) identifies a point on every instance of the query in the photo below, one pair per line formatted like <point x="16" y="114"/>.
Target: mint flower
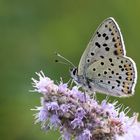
<point x="80" y="117"/>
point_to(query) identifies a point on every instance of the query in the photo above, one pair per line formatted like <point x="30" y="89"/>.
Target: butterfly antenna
<point x="57" y="61"/>
<point x="65" y="59"/>
<point x="72" y="81"/>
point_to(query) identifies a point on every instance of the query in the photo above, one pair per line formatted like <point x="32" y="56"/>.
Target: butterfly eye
<point x="74" y="71"/>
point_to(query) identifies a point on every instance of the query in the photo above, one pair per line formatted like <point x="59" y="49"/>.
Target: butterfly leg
<point x="92" y="94"/>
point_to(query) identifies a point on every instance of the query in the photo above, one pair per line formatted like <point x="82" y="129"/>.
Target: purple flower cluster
<point x="80" y="117"/>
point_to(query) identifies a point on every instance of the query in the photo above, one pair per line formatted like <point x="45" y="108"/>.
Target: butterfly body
<point x="81" y="80"/>
<point x="104" y="66"/>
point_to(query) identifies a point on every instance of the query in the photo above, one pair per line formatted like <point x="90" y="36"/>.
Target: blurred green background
<point x="31" y="31"/>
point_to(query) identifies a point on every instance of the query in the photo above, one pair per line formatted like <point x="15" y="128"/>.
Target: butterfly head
<point x="74" y="73"/>
<point x="79" y="79"/>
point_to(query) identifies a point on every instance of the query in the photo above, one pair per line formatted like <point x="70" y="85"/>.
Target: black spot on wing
<point x="97" y="44"/>
<point x="99" y="35"/>
<point x="92" y="54"/>
<point x="110" y="59"/>
<point x="113" y="87"/>
<point x="102" y="56"/>
<point x="113" y="39"/>
<point x="115" y="52"/>
<point x="105" y="72"/>
<point x="106" y="38"/>
<point x="102" y="63"/>
<point x="104" y="44"/>
<point x="107" y="49"/>
<point x="104" y="34"/>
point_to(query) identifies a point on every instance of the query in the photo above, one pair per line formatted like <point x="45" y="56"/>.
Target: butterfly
<point x="104" y="66"/>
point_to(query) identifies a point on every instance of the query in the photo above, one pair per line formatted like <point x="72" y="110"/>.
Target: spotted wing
<point x="115" y="76"/>
<point x="107" y="40"/>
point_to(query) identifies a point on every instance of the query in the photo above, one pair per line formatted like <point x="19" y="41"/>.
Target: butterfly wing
<point x="113" y="75"/>
<point x="104" y="63"/>
<point x="107" y="40"/>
